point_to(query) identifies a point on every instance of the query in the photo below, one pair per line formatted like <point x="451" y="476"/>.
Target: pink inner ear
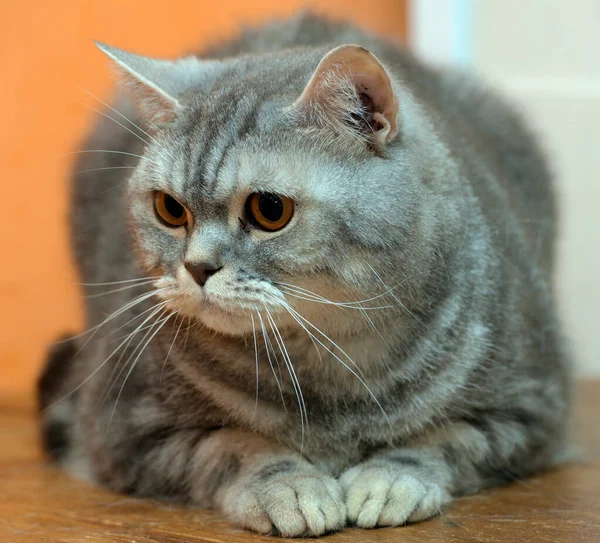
<point x="368" y="75"/>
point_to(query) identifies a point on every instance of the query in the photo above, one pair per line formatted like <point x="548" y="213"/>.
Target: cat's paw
<point x="389" y="495"/>
<point x="291" y="504"/>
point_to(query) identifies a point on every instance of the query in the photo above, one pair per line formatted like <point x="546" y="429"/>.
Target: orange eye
<point x="169" y="210"/>
<point x="269" y="211"/>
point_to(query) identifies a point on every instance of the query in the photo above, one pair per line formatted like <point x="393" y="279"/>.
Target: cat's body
<point x="451" y="379"/>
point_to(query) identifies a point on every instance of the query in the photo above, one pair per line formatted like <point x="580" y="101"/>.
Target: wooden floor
<point x="39" y="504"/>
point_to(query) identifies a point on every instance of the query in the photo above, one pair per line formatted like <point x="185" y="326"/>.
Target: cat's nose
<point x="201" y="271"/>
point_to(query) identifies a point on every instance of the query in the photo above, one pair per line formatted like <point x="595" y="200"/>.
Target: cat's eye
<point x="269" y="211"/>
<point x="169" y="210"/>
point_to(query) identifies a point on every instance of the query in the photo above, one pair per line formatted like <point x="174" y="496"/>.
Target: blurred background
<point x="542" y="53"/>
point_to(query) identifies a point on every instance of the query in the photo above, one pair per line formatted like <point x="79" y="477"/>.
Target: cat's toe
<point x="291" y="505"/>
<point x="388" y="496"/>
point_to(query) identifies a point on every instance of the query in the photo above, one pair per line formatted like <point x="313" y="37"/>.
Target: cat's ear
<point x="156" y="86"/>
<point x="351" y="91"/>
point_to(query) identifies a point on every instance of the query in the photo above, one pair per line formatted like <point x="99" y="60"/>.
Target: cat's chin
<point x="226" y="326"/>
<point x="226" y="322"/>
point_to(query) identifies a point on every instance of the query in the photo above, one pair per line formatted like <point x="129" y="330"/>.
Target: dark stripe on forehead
<point x="245" y="118"/>
<point x="201" y="141"/>
<point x="209" y="131"/>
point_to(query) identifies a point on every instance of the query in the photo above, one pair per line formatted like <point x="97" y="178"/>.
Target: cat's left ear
<point x="351" y="91"/>
<point x="156" y="86"/>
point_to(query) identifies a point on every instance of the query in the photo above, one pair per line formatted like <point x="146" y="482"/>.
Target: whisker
<point x="325" y="336"/>
<point x="118" y="113"/>
<point x="114" y="315"/>
<point x="111" y="151"/>
<point x="187" y="333"/>
<point x="170" y="348"/>
<point x="127" y="339"/>
<point x="127" y="119"/>
<point x="293" y="376"/>
<point x="86" y="379"/>
<point x="138" y="316"/>
<point x="269" y="347"/>
<point x="286" y="287"/>
<point x="116" y="282"/>
<point x="112" y="118"/>
<point x="106" y="168"/>
<point x="256" y="357"/>
<point x="372" y="325"/>
<point x="121" y="289"/>
<point x="345" y="305"/>
<point x="298" y="318"/>
<point x="396" y="298"/>
<point x="161" y="323"/>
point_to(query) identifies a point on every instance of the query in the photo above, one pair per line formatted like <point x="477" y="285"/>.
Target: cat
<point x="318" y="280"/>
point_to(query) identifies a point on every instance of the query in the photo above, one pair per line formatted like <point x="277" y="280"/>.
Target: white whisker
<point x="170" y="348"/>
<point x="396" y="297"/>
<point x="293" y="376"/>
<point x="268" y="348"/>
<point x="106" y="168"/>
<point x="160" y="324"/>
<point x="116" y="282"/>
<point x="325" y="336"/>
<point x="344" y="305"/>
<point x="298" y="318"/>
<point x="86" y="379"/>
<point x="110" y="151"/>
<point x="372" y="325"/>
<point x="256" y="357"/>
<point x="312" y="296"/>
<point x="152" y="138"/>
<point x="127" y="339"/>
<point x="112" y="118"/>
<point x="137" y="300"/>
<point x="121" y="289"/>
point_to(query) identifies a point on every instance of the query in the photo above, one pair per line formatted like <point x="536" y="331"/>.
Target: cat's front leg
<point x="397" y="486"/>
<point x="282" y="493"/>
<point x="259" y="484"/>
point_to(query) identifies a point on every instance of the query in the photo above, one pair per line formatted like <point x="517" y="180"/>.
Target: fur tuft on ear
<point x="351" y="92"/>
<point x="156" y="86"/>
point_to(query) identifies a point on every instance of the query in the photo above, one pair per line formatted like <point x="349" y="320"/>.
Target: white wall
<point x="545" y="54"/>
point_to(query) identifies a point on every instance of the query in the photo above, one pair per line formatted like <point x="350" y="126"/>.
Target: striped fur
<point x="449" y="378"/>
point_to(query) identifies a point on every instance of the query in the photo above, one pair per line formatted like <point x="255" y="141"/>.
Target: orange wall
<point x="45" y="53"/>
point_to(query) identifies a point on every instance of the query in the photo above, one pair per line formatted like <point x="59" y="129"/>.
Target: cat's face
<point x="250" y="216"/>
<point x="220" y="215"/>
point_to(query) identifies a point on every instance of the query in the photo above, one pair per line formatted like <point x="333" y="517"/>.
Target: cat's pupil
<point x="270" y="206"/>
<point x="174" y="208"/>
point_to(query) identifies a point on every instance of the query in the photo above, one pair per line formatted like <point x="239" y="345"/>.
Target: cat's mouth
<point x="232" y="313"/>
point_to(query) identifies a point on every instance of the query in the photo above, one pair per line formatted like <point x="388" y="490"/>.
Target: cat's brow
<point x="210" y="147"/>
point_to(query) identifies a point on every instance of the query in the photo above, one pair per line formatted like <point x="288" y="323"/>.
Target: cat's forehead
<point x="236" y="138"/>
<point x="228" y="168"/>
<point x="241" y="145"/>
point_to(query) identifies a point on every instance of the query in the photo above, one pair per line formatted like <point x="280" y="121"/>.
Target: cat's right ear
<point x="156" y="86"/>
<point x="351" y="92"/>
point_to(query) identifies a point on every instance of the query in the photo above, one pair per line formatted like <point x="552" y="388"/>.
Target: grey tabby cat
<point x="344" y="311"/>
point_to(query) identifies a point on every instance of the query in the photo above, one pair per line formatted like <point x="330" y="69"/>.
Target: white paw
<point x="388" y="495"/>
<point x="290" y="504"/>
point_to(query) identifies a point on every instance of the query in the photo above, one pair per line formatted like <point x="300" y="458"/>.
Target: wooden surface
<point x="39" y="504"/>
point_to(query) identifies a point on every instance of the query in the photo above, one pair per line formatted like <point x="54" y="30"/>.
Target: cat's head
<point x="271" y="186"/>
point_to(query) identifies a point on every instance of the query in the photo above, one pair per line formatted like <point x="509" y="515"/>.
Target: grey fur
<point x="448" y="231"/>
